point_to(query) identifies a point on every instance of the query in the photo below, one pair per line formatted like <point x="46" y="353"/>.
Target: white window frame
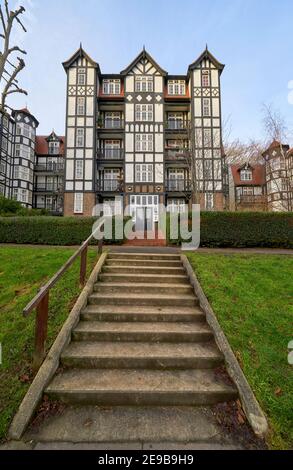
<point x="177" y="87"/>
<point x="246" y="174"/>
<point x="78" y="203"/>
<point x="79" y="169"/>
<point x="176" y="205"/>
<point x="207" y="137"/>
<point x="54" y="147"/>
<point x="81" y="77"/>
<point x="111" y="86"/>
<point x="144" y="112"/>
<point x="81" y="106"/>
<point x="144" y="143"/>
<point x="80" y="137"/>
<point x="144" y="83"/>
<point x="206" y="107"/>
<point x="206" y="79"/>
<point x="144" y="173"/>
<point x="209" y="201"/>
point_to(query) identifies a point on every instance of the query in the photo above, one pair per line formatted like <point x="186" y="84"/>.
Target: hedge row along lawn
<point x="252" y="298"/>
<point x="22" y="272"/>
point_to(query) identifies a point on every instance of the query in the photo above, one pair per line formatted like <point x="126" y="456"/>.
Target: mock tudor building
<point x="125" y="133"/>
<point x="247" y="187"/>
<point x="31" y="167"/>
<point x="49" y="173"/>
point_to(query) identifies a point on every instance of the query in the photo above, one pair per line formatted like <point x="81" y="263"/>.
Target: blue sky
<point x="252" y="37"/>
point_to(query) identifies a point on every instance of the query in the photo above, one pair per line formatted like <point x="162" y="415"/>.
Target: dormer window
<point x="144" y="83"/>
<point x="111" y="87"/>
<point x="81" y="77"/>
<point x="205" y="79"/>
<point x="54" y="148"/>
<point x="176" y="87"/>
<point x="246" y="174"/>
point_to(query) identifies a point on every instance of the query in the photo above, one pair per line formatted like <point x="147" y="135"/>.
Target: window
<point x="111" y="87"/>
<point x="176" y="87"/>
<point x="54" y="148"/>
<point x="144" y="83"/>
<point x="144" y="143"/>
<point x="284" y="185"/>
<point x="207" y="138"/>
<point x="18" y="129"/>
<point x="80" y="137"/>
<point x="208" y="169"/>
<point x="20" y="195"/>
<point x="4" y="143"/>
<point x="144" y="173"/>
<point x="26" y="130"/>
<point x="80" y="106"/>
<point x="5" y="122"/>
<point x="78" y="203"/>
<point x="2" y="167"/>
<point x="79" y="169"/>
<point x="144" y="112"/>
<point x="81" y="77"/>
<point x="246" y="174"/>
<point x="209" y="201"/>
<point x="176" y="205"/>
<point x="206" y="107"/>
<point x="205" y="79"/>
<point x="175" y="121"/>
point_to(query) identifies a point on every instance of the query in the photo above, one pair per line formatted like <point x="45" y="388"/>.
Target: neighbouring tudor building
<point x="125" y="135"/>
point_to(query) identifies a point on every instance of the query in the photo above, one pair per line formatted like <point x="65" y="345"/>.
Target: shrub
<point x="48" y="230"/>
<point x="10" y="208"/>
<point x="244" y="230"/>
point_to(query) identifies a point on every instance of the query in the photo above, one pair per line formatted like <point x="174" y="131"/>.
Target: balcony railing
<point x="176" y="154"/>
<point x="111" y="124"/>
<point x="110" y="154"/>
<point x="50" y="167"/>
<point x="49" y="207"/>
<point x="176" y="125"/>
<point x="178" y="185"/>
<point x="112" y="186"/>
<point x="50" y="188"/>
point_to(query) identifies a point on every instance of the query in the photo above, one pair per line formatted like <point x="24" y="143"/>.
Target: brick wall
<point x="89" y="201"/>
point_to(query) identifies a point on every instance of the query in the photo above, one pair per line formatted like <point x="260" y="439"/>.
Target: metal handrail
<point x="41" y="300"/>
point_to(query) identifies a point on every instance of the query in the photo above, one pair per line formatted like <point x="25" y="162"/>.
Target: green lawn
<point x="252" y="296"/>
<point x="22" y="271"/>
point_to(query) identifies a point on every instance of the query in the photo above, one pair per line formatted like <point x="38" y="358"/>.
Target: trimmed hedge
<point x="245" y="230"/>
<point x="48" y="230"/>
<point x="218" y="229"/>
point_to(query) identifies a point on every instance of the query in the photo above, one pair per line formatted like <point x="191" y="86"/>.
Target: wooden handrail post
<point x="41" y="330"/>
<point x="83" y="266"/>
<point x="100" y="250"/>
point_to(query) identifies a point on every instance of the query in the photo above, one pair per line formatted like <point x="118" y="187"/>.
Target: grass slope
<point x="252" y="298"/>
<point x="22" y="271"/>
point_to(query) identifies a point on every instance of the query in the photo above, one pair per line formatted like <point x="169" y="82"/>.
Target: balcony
<point x="111" y="124"/>
<point x="50" y="168"/>
<point x="52" y="208"/>
<point x="176" y="125"/>
<point x="110" y="154"/>
<point x="174" y="155"/>
<point x="178" y="185"/>
<point x="47" y="188"/>
<point x="109" y="186"/>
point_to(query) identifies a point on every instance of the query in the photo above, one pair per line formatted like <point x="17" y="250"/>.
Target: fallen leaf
<point x="278" y="391"/>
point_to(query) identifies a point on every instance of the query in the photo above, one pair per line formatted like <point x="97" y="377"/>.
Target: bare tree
<point x="279" y="169"/>
<point x="9" y="68"/>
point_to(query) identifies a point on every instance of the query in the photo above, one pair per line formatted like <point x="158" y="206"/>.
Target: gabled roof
<point x="53" y="136"/>
<point x="258" y="175"/>
<point x="80" y="53"/>
<point x="42" y="145"/>
<point x="206" y="55"/>
<point x="143" y="55"/>
<point x="276" y="145"/>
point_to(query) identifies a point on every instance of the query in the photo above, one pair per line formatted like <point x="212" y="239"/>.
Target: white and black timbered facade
<point x="126" y="134"/>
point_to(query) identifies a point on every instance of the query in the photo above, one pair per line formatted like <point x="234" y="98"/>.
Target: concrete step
<point x="132" y="313"/>
<point x="145" y="332"/>
<point x="144" y="278"/>
<point x="143" y="387"/>
<point x="142" y="288"/>
<point x="145" y="262"/>
<point x="128" y="424"/>
<point x="144" y="256"/>
<point x="141" y="355"/>
<point x="142" y="269"/>
<point x="143" y="299"/>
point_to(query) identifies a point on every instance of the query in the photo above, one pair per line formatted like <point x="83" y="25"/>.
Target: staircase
<point x="144" y="351"/>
